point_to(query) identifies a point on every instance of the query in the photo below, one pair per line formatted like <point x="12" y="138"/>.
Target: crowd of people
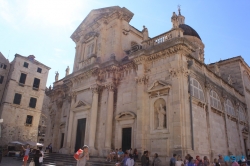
<point x="38" y="155"/>
<point x="176" y="160"/>
<point x="123" y="158"/>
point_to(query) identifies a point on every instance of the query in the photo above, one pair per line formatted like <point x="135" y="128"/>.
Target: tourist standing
<point x="144" y="159"/>
<point x="26" y="154"/>
<point x="84" y="156"/>
<point x="206" y="161"/>
<point x="130" y="161"/>
<point x="147" y="159"/>
<point x="50" y="148"/>
<point x="124" y="160"/>
<point x="36" y="157"/>
<point x="135" y="154"/>
<point x="41" y="157"/>
<point x="172" y="160"/>
<point x="198" y="161"/>
<point x="120" y="155"/>
<point x="179" y="161"/>
<point x="156" y="160"/>
<point x="221" y="161"/>
<point x="216" y="163"/>
<point x="191" y="161"/>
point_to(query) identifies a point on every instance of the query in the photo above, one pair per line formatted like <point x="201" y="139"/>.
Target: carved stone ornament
<point x="110" y="86"/>
<point x="95" y="88"/>
<point x="159" y="88"/>
<point x="125" y="116"/>
<point x="90" y="34"/>
<point x="245" y="130"/>
<point x="142" y="79"/>
<point x="174" y="72"/>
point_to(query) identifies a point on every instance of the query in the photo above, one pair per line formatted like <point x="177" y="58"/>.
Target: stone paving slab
<point x="10" y="161"/>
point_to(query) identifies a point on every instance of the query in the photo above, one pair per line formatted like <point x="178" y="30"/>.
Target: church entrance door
<point x="80" y="133"/>
<point x="126" y="138"/>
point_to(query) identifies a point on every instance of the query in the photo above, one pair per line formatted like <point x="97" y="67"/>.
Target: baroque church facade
<point x="157" y="94"/>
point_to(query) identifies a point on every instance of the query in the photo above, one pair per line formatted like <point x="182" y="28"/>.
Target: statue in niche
<point x="67" y="71"/>
<point x="229" y="79"/>
<point x="57" y="76"/>
<point x="160" y="114"/>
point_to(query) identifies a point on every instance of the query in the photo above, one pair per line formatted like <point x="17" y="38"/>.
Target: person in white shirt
<point x="130" y="161"/>
<point x="41" y="158"/>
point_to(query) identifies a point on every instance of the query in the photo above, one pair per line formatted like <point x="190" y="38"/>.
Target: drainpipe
<point x="190" y="63"/>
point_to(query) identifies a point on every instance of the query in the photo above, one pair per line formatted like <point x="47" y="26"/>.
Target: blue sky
<point x="43" y="27"/>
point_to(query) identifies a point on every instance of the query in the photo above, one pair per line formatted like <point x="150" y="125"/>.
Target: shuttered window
<point x="196" y="90"/>
<point x="36" y="83"/>
<point x="22" y="78"/>
<point x="32" y="103"/>
<point x="17" y="98"/>
<point x="215" y="100"/>
<point x="229" y="108"/>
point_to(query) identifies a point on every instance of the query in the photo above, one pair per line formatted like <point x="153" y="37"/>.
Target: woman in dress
<point x="84" y="156"/>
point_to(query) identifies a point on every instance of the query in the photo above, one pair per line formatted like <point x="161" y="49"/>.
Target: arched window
<point x="242" y="114"/>
<point x="229" y="107"/>
<point x="215" y="100"/>
<point x="196" y="89"/>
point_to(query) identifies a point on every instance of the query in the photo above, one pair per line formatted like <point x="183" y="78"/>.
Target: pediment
<point x="125" y="116"/>
<point x="158" y="85"/>
<point x="101" y="14"/>
<point x="80" y="105"/>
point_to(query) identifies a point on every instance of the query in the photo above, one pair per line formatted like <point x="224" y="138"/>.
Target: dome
<point x="189" y="30"/>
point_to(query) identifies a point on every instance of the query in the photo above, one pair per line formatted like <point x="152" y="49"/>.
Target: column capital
<point x="110" y="87"/>
<point x="95" y="88"/>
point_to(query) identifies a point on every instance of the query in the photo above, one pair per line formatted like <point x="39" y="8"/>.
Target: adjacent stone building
<point x="157" y="94"/>
<point x="22" y="100"/>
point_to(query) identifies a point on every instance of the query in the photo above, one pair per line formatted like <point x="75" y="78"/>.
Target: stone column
<point x="93" y="117"/>
<point x="140" y="127"/>
<point x="110" y="110"/>
<point x="70" y="124"/>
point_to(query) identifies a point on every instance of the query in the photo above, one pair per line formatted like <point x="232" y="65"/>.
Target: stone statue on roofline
<point x="67" y="71"/>
<point x="145" y="33"/>
<point x="57" y="76"/>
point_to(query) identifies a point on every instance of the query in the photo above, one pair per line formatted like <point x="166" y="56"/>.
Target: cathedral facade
<point x="128" y="90"/>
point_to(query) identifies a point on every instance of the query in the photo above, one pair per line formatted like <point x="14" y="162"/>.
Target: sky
<point x="43" y="27"/>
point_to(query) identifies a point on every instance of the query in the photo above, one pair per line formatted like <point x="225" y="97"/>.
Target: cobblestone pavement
<point x="9" y="161"/>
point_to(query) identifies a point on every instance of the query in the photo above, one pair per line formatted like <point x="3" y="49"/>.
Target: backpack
<point x="77" y="154"/>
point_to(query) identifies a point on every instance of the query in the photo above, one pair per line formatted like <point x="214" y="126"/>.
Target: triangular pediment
<point x="158" y="85"/>
<point x="99" y="14"/>
<point x="80" y="105"/>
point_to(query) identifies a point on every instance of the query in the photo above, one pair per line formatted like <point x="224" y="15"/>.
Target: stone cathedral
<point x="129" y="90"/>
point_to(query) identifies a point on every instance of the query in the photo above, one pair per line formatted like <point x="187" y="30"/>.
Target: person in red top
<point x="198" y="161"/>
